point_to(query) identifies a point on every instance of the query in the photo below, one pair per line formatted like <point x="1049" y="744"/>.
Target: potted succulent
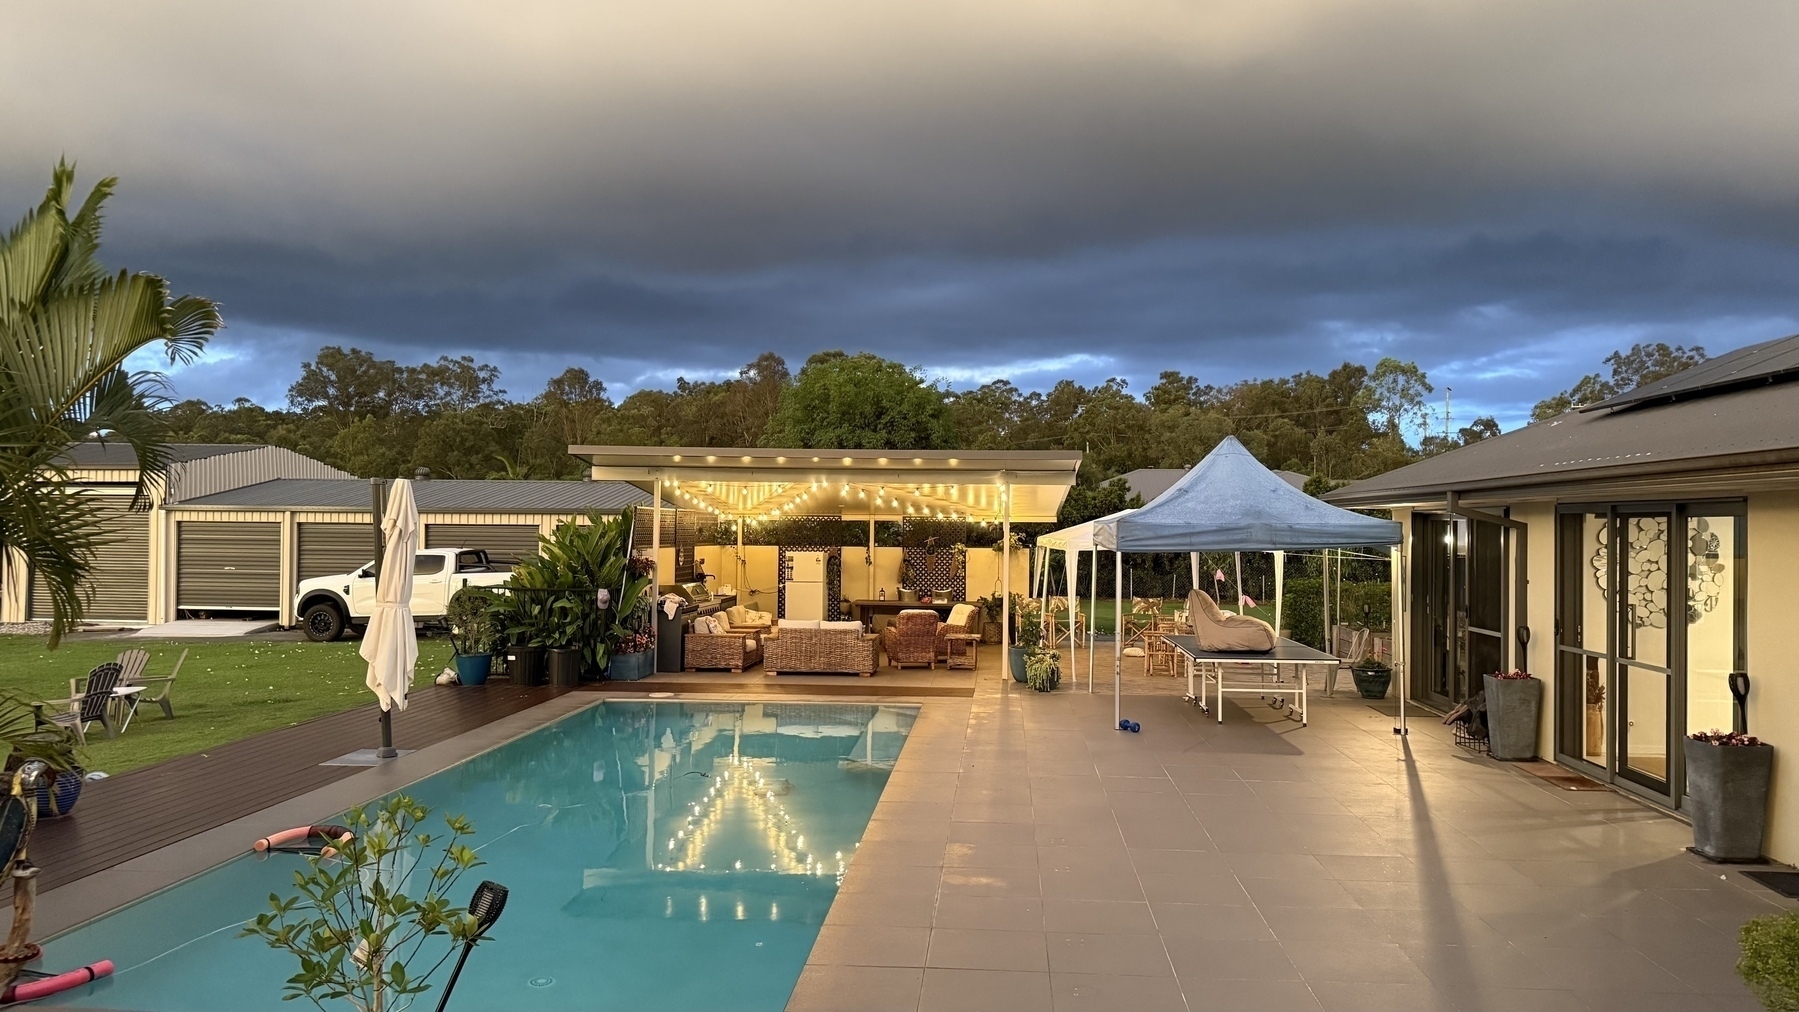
<point x="1043" y="670"/>
<point x="992" y="612"/>
<point x="1372" y="677"/>
<point x="25" y="739"/>
<point x="1727" y="793"/>
<point x="1514" y="700"/>
<point x="472" y="634"/>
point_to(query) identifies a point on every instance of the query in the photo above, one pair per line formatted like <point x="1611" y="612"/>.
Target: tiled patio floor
<point x="1026" y="857"/>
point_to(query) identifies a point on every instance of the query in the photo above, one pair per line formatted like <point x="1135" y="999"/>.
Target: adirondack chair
<point x="167" y="684"/>
<point x="94" y="703"/>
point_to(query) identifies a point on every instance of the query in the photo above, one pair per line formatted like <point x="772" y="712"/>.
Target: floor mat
<point x="1786" y="883"/>
<point x="1560" y="776"/>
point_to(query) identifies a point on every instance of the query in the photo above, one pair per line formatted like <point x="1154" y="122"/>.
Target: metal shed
<point x="228" y="566"/>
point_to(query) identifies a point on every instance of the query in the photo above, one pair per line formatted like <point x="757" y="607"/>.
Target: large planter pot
<point x="631" y="667"/>
<point x="1512" y="708"/>
<point x="526" y="666"/>
<point x="1015" y="661"/>
<point x="62" y="787"/>
<point x="473" y="669"/>
<point x="565" y="667"/>
<point x="1727" y="792"/>
<point x="1372" y="683"/>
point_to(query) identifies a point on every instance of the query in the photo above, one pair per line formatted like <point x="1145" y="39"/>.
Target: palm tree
<point x="68" y="329"/>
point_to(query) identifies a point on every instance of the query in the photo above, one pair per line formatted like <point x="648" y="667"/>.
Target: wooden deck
<point x="137" y="812"/>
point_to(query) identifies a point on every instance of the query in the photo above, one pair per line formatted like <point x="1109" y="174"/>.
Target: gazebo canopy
<point x="755" y="484"/>
<point x="1229" y="502"/>
<point x="1078" y="538"/>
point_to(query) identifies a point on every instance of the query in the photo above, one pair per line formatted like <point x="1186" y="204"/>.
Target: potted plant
<point x="992" y="613"/>
<point x="586" y="578"/>
<point x="1372" y="677"/>
<point x="25" y="739"/>
<point x="472" y="634"/>
<point x="1043" y="670"/>
<point x="520" y="620"/>
<point x="1027" y="633"/>
<point x="380" y="905"/>
<point x="632" y="656"/>
<point x="1595" y="742"/>
<point x="1514" y="700"/>
<point x="1727" y="793"/>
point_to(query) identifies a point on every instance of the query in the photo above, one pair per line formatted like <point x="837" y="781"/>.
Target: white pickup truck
<point x="327" y="605"/>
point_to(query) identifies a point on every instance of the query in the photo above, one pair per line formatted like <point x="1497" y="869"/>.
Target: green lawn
<point x="228" y="689"/>
<point x="1105" y="612"/>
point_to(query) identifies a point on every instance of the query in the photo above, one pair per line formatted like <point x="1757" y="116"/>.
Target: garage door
<point x="504" y="543"/>
<point x="231" y="566"/>
<point x="118" y="585"/>
<point x="331" y="549"/>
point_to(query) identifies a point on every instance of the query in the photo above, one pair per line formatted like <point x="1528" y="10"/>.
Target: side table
<point x="964" y="650"/>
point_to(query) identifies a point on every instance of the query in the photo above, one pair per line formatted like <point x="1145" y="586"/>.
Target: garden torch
<point x="484" y="907"/>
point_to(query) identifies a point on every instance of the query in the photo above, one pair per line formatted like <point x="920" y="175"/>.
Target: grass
<point x="227" y="690"/>
<point x="1105" y="614"/>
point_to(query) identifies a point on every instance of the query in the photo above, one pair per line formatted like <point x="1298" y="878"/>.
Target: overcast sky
<point x="1034" y="189"/>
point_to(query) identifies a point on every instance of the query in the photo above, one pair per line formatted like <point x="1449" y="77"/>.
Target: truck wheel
<point x="323" y="622"/>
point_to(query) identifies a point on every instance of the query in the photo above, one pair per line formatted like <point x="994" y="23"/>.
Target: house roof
<point x="1150" y="482"/>
<point x="1717" y="431"/>
<point x="437" y="495"/>
<point x="118" y="455"/>
<point x="1757" y="365"/>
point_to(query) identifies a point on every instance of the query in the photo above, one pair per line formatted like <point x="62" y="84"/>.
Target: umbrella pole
<point x="387" y="750"/>
<point x="1239" y="557"/>
<point x="1117" y="634"/>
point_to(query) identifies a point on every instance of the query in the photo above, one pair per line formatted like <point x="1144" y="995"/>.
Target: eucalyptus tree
<point x="71" y="334"/>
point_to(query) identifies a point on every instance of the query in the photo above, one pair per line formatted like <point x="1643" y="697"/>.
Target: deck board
<point x="134" y="813"/>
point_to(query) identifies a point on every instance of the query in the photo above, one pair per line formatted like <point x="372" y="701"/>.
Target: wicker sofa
<point x="804" y="648"/>
<point x="735" y="649"/>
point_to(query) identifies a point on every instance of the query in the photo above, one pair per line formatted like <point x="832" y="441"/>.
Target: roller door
<point x="504" y="543"/>
<point x="228" y="566"/>
<point x="331" y="549"/>
<point x="118" y="585"/>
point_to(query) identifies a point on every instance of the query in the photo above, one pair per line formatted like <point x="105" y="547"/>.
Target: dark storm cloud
<point x="1034" y="188"/>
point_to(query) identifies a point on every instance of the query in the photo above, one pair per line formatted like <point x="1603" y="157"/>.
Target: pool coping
<point x="70" y="906"/>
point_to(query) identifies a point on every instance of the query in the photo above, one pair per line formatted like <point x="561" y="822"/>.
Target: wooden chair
<point x="167" y="682"/>
<point x="93" y="704"/>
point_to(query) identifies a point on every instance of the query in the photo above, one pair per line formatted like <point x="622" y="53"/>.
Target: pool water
<point x="636" y="882"/>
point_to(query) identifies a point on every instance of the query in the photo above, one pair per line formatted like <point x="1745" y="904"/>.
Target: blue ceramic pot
<point x="1015" y="660"/>
<point x="631" y="667"/>
<point x="67" y="789"/>
<point x="473" y="670"/>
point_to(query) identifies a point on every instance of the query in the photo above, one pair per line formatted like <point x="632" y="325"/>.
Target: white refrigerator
<point x="804" y="578"/>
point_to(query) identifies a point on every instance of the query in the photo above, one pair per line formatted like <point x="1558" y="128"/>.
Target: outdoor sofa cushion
<point x="1219" y="630"/>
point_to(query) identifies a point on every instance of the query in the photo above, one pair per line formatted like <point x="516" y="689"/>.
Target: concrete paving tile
<point x="1088" y="992"/>
<point x="1131" y="955"/>
<point x="857" y="989"/>
<point x="1298" y="892"/>
<point x="953" y="990"/>
<point x="989" y="855"/>
<point x="1347" y="959"/>
<point x="869" y="945"/>
<point x="1189" y="923"/>
<point x="1109" y="917"/>
<point x="1231" y="959"/>
<point x="889" y="878"/>
<point x="1350" y="997"/>
<point x="913" y="910"/>
<point x="991" y="882"/>
<point x="1245" y="995"/>
<point x="997" y="833"/>
<point x="987" y="949"/>
<point x="1077" y="834"/>
<point x="996" y="913"/>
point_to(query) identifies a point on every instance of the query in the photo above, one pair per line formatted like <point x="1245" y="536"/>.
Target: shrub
<point x="1770" y="962"/>
<point x="1302" y="610"/>
<point x="471" y="619"/>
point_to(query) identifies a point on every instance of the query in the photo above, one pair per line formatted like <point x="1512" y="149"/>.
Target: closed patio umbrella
<point x="390" y="645"/>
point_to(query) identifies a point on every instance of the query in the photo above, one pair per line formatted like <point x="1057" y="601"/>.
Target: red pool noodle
<point x="299" y="833"/>
<point x="47" y="986"/>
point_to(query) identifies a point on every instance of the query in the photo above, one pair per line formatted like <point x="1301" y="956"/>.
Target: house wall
<point x="1773" y="664"/>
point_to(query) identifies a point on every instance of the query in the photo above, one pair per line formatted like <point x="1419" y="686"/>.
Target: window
<point x="427" y="565"/>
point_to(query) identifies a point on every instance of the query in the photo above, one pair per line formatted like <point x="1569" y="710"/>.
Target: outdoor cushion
<point x="800" y="623"/>
<point x="1219" y="630"/>
<point x="960" y="614"/>
<point x="849" y="625"/>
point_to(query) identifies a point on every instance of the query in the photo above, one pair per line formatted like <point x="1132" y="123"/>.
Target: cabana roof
<point x="1229" y="502"/>
<point x="763" y="484"/>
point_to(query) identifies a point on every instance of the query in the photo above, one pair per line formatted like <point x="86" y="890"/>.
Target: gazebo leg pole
<point x="1092" y="614"/>
<point x="1005" y="583"/>
<point x="1117" y="636"/>
<point x="1239" y="557"/>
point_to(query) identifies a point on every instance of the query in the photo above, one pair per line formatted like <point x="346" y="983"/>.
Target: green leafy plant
<point x="1027" y="622"/>
<point x="25" y="739"/>
<point x="1770" y="960"/>
<point x="363" y="918"/>
<point x="559" y="591"/>
<point x="471" y="618"/>
<point x="1043" y="670"/>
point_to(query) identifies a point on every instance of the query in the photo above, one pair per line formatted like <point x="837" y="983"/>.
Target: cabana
<point x="1071" y="542"/>
<point x="1229" y="502"/>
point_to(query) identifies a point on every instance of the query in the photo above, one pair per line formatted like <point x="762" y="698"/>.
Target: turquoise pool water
<point x="635" y="882"/>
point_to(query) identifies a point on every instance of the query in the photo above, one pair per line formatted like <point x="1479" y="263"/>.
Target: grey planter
<point x="1512" y="708"/>
<point x="1727" y="791"/>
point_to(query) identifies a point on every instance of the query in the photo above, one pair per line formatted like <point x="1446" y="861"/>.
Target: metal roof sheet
<point x="437" y="495"/>
<point x="1753" y="427"/>
<point x="119" y="454"/>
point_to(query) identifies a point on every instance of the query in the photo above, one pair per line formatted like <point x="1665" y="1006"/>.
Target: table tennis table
<point x="1211" y="665"/>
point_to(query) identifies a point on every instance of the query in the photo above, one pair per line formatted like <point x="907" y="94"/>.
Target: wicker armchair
<point x="912" y="638"/>
<point x="797" y="650"/>
<point x="736" y="649"/>
<point x="963" y="618"/>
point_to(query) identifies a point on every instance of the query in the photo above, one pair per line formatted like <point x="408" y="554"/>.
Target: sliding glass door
<point x="1649" y="605"/>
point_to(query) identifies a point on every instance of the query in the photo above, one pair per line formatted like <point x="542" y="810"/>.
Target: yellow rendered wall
<point x="1773" y="663"/>
<point x="1539" y="656"/>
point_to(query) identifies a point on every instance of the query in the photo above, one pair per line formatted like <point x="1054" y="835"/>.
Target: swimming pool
<point x="616" y="901"/>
